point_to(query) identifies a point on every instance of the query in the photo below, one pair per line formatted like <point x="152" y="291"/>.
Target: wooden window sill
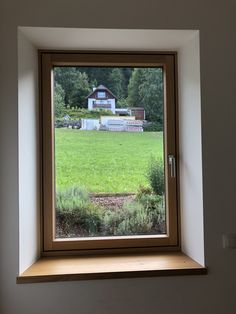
<point x="48" y="269"/>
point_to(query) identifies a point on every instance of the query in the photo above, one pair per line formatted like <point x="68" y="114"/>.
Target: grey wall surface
<point x="214" y="293"/>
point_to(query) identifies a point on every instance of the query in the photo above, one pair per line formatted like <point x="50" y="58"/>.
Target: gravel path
<point x="114" y="201"/>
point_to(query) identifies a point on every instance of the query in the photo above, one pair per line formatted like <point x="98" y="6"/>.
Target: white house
<point x="102" y="98"/>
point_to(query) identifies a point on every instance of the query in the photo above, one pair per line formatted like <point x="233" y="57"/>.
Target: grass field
<point x="104" y="161"/>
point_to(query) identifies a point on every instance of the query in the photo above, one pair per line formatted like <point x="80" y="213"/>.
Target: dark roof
<point x="101" y="88"/>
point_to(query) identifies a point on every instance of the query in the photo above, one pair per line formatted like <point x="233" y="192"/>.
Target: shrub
<point x="154" y="204"/>
<point x="138" y="221"/>
<point x="133" y="218"/>
<point x="78" y="216"/>
<point x="152" y="127"/>
<point x="61" y="123"/>
<point x="144" y="215"/>
<point x="78" y="113"/>
<point x="155" y="176"/>
<point x="74" y="210"/>
<point x="71" y="199"/>
<point x="143" y="190"/>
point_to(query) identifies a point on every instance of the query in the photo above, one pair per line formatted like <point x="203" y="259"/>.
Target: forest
<point x="133" y="87"/>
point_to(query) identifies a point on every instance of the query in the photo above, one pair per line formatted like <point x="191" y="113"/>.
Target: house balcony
<point x="103" y="106"/>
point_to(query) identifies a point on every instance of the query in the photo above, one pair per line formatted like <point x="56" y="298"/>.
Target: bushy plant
<point x="75" y="210"/>
<point x="154" y="204"/>
<point x="132" y="218"/>
<point x="155" y="176"/>
<point x="77" y="215"/>
<point x="144" y="215"/>
<point x="143" y="190"/>
<point x="81" y="113"/>
<point x="152" y="127"/>
<point x="61" y="123"/>
<point x="71" y="199"/>
<point x="138" y="221"/>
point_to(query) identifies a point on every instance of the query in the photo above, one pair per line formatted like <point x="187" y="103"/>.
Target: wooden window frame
<point x="169" y="241"/>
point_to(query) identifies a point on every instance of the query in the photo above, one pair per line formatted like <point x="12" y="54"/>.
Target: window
<point x="101" y="94"/>
<point x="63" y="141"/>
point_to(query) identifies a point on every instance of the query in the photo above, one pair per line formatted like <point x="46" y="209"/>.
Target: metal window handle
<point x="171" y="162"/>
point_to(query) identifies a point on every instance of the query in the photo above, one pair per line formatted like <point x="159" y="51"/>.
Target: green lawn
<point x="104" y="161"/>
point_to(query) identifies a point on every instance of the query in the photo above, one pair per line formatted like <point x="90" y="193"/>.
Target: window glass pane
<point x="109" y="153"/>
<point x="101" y="94"/>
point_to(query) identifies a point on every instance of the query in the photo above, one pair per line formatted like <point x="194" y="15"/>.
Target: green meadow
<point x="112" y="162"/>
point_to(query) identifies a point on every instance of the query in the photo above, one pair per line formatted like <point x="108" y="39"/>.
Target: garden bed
<point x="80" y="214"/>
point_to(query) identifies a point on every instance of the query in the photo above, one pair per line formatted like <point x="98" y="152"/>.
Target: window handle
<point x="171" y="162"/>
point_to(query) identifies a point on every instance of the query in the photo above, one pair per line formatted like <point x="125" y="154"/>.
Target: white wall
<point x="113" y="105"/>
<point x="90" y="103"/>
<point x="190" y="152"/>
<point x="28" y="139"/>
<point x="213" y="293"/>
<point x="186" y="43"/>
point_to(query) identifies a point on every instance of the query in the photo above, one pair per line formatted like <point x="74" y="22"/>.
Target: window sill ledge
<point x="48" y="269"/>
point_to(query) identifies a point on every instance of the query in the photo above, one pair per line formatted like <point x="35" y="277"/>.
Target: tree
<point x="59" y="104"/>
<point x="136" y="79"/>
<point x="127" y="72"/>
<point x="75" y="84"/>
<point x="80" y="91"/>
<point x="66" y="77"/>
<point x="121" y="103"/>
<point x="116" y="79"/>
<point x="151" y="94"/>
<point x="117" y="83"/>
<point x="146" y="90"/>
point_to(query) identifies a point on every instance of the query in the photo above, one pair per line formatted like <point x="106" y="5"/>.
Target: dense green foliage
<point x="152" y="127"/>
<point x="76" y="114"/>
<point x="133" y="87"/>
<point x="59" y="98"/>
<point x="135" y="82"/>
<point x="105" y="161"/>
<point x="78" y="216"/>
<point x="80" y="91"/>
<point x="117" y="83"/>
<point x="151" y="94"/>
<point x="146" y="90"/>
<point x="143" y="215"/>
<point x="75" y="85"/>
<point x="78" y="82"/>
<point x="73" y="208"/>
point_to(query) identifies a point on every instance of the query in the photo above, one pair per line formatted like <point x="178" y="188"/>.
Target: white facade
<point x="123" y="124"/>
<point x="90" y="124"/>
<point x="108" y="123"/>
<point x="105" y="120"/>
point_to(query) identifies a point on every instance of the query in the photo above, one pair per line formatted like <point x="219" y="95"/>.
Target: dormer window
<point x="101" y="94"/>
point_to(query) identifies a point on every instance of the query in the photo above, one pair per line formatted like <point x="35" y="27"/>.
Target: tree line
<point x="133" y="87"/>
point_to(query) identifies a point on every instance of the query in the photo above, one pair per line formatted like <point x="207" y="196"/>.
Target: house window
<point x="101" y="94"/>
<point x="109" y="182"/>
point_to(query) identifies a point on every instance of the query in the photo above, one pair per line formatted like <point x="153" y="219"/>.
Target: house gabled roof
<point x="101" y="88"/>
